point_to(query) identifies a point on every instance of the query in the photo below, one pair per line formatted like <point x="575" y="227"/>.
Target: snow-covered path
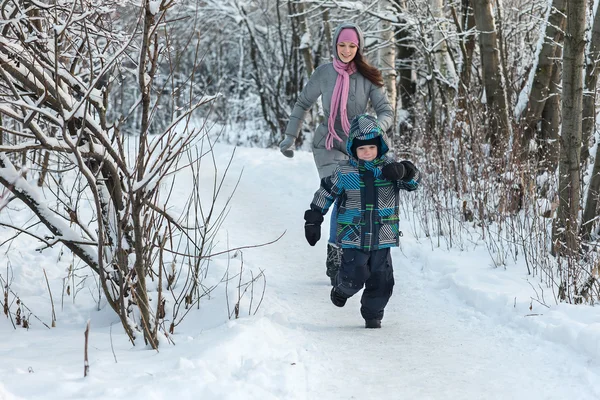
<point x="438" y="340"/>
<point x="431" y="345"/>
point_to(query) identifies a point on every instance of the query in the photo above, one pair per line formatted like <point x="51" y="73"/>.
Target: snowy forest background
<point x="103" y="103"/>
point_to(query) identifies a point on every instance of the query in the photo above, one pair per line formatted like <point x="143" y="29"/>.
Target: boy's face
<point x="366" y="153"/>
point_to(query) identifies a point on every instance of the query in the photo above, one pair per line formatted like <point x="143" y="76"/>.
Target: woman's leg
<point x="334" y="252"/>
<point x="333" y="223"/>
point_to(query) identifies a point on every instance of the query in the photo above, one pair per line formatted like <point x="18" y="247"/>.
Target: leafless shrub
<point x="59" y="63"/>
<point x="245" y="287"/>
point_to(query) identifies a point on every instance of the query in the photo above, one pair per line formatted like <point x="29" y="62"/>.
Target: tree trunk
<point x="406" y="85"/>
<point x="443" y="65"/>
<point x="591" y="81"/>
<point x="591" y="204"/>
<point x="44" y="169"/>
<point x="464" y="23"/>
<point x="588" y="123"/>
<point x="147" y="69"/>
<point x="548" y="144"/>
<point x="546" y="62"/>
<point x="508" y="94"/>
<point x="305" y="39"/>
<point x="467" y="23"/>
<point x="387" y="62"/>
<point x="497" y="104"/>
<point x="443" y="60"/>
<point x="327" y="34"/>
<point x="565" y="232"/>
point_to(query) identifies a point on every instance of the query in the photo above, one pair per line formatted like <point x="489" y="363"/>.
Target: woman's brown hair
<point x="368" y="71"/>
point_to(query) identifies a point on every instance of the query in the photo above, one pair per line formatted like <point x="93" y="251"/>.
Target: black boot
<point x="373" y="323"/>
<point x="333" y="261"/>
<point x="337" y="298"/>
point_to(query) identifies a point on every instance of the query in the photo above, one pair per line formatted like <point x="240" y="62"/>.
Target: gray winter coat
<point x="322" y="83"/>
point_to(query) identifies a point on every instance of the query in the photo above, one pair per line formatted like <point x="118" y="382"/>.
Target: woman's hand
<point x="286" y="145"/>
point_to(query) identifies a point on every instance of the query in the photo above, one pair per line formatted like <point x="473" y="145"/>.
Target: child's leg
<point x="353" y="272"/>
<point x="379" y="285"/>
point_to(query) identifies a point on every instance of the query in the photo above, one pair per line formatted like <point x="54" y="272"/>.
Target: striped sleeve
<point x="329" y="190"/>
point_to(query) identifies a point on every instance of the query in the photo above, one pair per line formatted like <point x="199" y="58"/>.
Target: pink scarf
<point x="339" y="99"/>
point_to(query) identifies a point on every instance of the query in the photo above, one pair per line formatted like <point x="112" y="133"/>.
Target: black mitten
<point x="312" y="227"/>
<point x="410" y="170"/>
<point x="393" y="172"/>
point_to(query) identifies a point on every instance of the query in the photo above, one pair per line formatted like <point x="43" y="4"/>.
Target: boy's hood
<point x="336" y="33"/>
<point x="366" y="127"/>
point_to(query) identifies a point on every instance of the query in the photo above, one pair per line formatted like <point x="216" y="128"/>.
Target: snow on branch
<point x="30" y="195"/>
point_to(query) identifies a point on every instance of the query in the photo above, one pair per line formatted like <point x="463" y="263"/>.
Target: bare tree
<point x="465" y="24"/>
<point x="56" y="64"/>
<point x="387" y="58"/>
<point x="305" y="41"/>
<point x="565" y="230"/>
<point x="588" y="124"/>
<point x="549" y="138"/>
<point x="443" y="60"/>
<point x="493" y="78"/>
<point x="406" y="83"/>
<point x="590" y="85"/>
<point x="543" y="70"/>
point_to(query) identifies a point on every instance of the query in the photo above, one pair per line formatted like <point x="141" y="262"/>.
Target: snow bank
<point x="512" y="298"/>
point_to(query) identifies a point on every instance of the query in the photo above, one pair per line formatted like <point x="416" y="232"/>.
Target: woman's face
<point x="346" y="51"/>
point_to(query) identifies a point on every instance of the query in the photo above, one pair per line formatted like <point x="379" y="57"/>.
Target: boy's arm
<point x="324" y="197"/>
<point x="329" y="190"/>
<point x="404" y="173"/>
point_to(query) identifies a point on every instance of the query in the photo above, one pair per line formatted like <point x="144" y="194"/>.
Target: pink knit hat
<point x="348" y="35"/>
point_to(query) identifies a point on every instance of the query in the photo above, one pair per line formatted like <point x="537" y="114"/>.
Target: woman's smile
<point x="346" y="51"/>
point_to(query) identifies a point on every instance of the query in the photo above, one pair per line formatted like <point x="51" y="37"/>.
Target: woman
<point x="345" y="87"/>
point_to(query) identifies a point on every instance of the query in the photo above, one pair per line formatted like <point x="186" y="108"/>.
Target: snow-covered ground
<point x="456" y="327"/>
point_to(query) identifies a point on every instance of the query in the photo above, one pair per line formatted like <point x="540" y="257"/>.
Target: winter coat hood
<point x="336" y="34"/>
<point x="366" y="127"/>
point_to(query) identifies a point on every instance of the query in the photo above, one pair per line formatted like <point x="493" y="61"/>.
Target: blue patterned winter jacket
<point x="368" y="203"/>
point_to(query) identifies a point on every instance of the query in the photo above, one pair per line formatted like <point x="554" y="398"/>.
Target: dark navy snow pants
<point x="374" y="271"/>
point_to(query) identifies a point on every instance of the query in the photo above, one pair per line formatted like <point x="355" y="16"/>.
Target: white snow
<point x="305" y="41"/>
<point x="154" y="6"/>
<point x="455" y="328"/>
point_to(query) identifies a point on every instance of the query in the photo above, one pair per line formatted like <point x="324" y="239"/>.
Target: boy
<point x="367" y="224"/>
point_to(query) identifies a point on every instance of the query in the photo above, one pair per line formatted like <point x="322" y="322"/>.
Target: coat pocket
<point x="389" y="230"/>
<point x="349" y="225"/>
